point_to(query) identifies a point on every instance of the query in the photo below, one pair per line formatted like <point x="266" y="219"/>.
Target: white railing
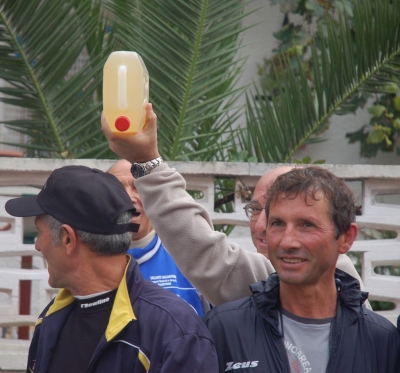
<point x="377" y="189"/>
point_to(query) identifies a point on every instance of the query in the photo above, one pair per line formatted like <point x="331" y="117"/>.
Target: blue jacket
<point x="248" y="336"/>
<point x="149" y="330"/>
<point x="158" y="266"/>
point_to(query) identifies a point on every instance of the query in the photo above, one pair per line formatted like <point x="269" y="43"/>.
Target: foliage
<point x="190" y="49"/>
<point x="383" y="131"/>
<point x="193" y="65"/>
<point x="332" y="71"/>
<point x="308" y="160"/>
<point x="40" y="41"/>
<point x="224" y="197"/>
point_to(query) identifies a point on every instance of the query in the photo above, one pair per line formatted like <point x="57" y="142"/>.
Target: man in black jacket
<point x="308" y="317"/>
<point x="106" y="317"/>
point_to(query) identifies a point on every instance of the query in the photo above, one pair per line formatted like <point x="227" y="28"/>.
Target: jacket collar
<point x="266" y="297"/>
<point x="266" y="300"/>
<point x="122" y="312"/>
<point x="349" y="291"/>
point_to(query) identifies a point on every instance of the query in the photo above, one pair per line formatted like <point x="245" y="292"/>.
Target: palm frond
<point x="40" y="43"/>
<point x="344" y="65"/>
<point x="190" y="48"/>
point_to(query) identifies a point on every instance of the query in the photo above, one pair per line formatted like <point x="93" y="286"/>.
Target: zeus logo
<point x="247" y="364"/>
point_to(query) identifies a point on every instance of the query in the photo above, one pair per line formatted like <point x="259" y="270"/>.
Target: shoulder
<point x="379" y="331"/>
<point x="380" y="324"/>
<point x="229" y="312"/>
<point x="170" y="332"/>
<point x="156" y="303"/>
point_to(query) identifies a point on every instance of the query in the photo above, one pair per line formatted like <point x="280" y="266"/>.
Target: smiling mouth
<point x="294" y="260"/>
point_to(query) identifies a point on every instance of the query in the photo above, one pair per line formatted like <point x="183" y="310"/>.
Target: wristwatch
<point x="142" y="169"/>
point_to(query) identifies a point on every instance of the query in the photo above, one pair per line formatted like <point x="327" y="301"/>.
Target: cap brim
<point x="24" y="206"/>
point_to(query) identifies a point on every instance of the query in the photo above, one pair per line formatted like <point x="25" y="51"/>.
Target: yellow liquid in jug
<point x="125" y="92"/>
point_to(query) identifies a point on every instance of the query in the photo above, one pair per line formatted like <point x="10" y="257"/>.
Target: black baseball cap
<point x="84" y="198"/>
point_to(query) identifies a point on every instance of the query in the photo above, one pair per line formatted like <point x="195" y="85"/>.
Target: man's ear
<point x="347" y="238"/>
<point x="68" y="239"/>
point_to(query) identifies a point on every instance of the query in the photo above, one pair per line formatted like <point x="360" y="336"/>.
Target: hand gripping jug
<point x="125" y="92"/>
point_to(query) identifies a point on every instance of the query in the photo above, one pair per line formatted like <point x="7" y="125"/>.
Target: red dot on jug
<point x="122" y="123"/>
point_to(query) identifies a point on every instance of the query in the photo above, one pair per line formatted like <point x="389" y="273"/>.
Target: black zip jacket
<point x="248" y="338"/>
<point x="150" y="330"/>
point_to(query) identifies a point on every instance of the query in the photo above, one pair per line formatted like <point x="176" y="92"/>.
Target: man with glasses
<point x="220" y="270"/>
<point x="254" y="209"/>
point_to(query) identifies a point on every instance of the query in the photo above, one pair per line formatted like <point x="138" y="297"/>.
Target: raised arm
<point x="220" y="271"/>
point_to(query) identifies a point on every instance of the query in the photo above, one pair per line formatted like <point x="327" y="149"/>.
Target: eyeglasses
<point x="253" y="210"/>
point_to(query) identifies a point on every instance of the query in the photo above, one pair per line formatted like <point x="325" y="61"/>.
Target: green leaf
<point x="379" y="134"/>
<point x="396" y="102"/>
<point x="252" y="159"/>
<point x="345" y="6"/>
<point x="391" y="87"/>
<point x="376" y="137"/>
<point x="376" y="110"/>
<point x="396" y="124"/>
<point x="315" y="7"/>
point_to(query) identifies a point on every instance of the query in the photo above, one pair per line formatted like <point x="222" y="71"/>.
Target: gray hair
<point x="107" y="245"/>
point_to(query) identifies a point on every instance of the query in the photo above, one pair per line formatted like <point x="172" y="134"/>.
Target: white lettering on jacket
<point x="100" y="301"/>
<point x="246" y="364"/>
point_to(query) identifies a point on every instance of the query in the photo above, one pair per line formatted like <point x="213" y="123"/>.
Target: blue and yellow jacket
<point x="150" y="330"/>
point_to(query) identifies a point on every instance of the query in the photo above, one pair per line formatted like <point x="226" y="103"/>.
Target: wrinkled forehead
<point x="310" y="198"/>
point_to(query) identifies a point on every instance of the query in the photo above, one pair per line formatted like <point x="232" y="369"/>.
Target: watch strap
<point x="143" y="169"/>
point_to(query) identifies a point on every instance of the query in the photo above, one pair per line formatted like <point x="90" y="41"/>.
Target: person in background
<point x="309" y="316"/>
<point x="220" y="270"/>
<point x="106" y="317"/>
<point x="255" y="209"/>
<point x="155" y="263"/>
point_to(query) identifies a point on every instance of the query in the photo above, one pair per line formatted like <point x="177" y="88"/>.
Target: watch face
<point x="137" y="170"/>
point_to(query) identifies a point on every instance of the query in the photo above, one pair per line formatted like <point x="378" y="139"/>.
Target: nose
<point x="289" y="238"/>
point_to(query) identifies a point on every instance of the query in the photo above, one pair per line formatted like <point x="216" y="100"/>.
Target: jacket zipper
<point x="330" y="346"/>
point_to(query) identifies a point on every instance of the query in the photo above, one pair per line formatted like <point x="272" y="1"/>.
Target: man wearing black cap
<point x="106" y="318"/>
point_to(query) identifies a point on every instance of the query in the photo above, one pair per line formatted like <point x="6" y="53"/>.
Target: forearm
<point x="220" y="271"/>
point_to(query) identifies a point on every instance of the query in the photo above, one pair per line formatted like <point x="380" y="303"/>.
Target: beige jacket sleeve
<point x="221" y="271"/>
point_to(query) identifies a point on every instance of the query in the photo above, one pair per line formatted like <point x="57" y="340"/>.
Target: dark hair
<point x="309" y="181"/>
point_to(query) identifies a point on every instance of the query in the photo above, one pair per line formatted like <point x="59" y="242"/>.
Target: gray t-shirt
<point x="306" y="342"/>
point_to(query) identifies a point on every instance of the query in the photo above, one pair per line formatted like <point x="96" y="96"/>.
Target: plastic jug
<point x="125" y="92"/>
